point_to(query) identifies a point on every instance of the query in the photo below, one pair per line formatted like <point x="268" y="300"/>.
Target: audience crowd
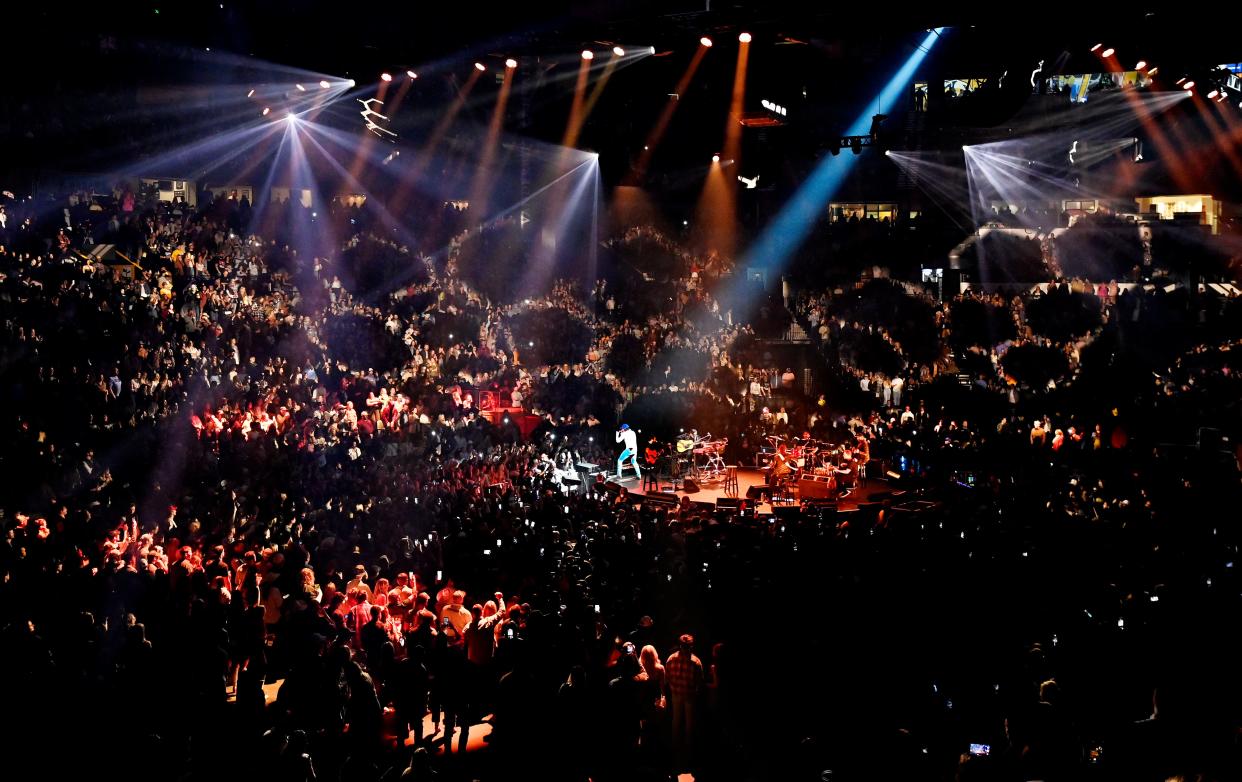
<point x="263" y="519"/>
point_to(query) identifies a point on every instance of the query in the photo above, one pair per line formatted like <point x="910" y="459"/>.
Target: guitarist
<point x="653" y="453"/>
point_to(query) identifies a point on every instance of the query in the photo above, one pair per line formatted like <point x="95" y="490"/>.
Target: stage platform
<point x="868" y="490"/>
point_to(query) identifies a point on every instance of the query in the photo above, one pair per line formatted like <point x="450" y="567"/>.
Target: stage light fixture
<point x="510" y="63"/>
<point x="1097" y="47"/>
<point x="1109" y="52"/>
<point x="291" y="118"/>
<point x="1190" y="85"/>
<point x="480" y="67"/>
<point x="744" y="38"/>
<point x="250" y="94"/>
<point x="650" y="50"/>
<point x="386" y="76"/>
<point x="705" y="41"/>
<point x="411" y="74"/>
<point x="617" y="50"/>
<point x="1179" y="81"/>
<point x="300" y="88"/>
<point x="1153" y="71"/>
<point x="1212" y="95"/>
<point x="587" y="54"/>
<point x="324" y="84"/>
<point x="1140" y="65"/>
<point x="353" y="83"/>
<point x="715" y="158"/>
<point x="266" y="111"/>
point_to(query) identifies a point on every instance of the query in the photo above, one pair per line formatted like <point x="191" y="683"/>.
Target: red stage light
<point x="587" y="54"/>
<point x="478" y="66"/>
<point x="705" y="41"/>
<point x="1108" y="52"/>
<point x="510" y="63"/>
<point x="744" y="37"/>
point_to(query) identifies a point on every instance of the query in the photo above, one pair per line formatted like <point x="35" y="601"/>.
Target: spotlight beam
<point x="574" y="123"/>
<point x="479" y="186"/>
<point x="433" y="141"/>
<point x="786" y="232"/>
<point x="639" y="170"/>
<point x="727" y="237"/>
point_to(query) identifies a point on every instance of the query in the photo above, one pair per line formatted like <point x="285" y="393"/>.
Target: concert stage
<point x="868" y="490"/>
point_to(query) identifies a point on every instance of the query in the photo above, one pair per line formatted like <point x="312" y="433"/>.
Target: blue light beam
<point x="789" y="229"/>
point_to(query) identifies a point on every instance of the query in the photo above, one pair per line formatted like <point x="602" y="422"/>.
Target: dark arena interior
<point x="620" y="391"/>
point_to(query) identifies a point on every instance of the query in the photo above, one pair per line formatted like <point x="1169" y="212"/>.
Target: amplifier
<point x="815" y="487"/>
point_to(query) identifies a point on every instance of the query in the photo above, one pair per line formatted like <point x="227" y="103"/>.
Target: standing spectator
<point x="684" y="680"/>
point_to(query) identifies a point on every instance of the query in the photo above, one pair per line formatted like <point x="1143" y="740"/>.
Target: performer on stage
<point x="627" y="436"/>
<point x="780" y="466"/>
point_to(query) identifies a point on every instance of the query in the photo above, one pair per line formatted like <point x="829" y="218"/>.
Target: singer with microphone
<point x="626" y="435"/>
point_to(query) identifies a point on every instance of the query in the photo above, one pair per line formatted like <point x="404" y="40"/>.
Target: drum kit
<point x="809" y="459"/>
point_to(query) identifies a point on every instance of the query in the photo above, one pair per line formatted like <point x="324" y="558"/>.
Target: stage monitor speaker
<point x="612" y="488"/>
<point x="813" y="487"/>
<point x="728" y="503"/>
<point x="787" y="512"/>
<point x="660" y="501"/>
<point x="689" y="486"/>
<point x="756" y="491"/>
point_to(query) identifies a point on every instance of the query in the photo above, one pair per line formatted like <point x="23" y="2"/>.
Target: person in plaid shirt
<point x="683" y="679"/>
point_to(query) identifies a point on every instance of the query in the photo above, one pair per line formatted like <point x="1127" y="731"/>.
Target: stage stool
<point x="651" y="481"/>
<point x="782" y="493"/>
<point x="730" y="482"/>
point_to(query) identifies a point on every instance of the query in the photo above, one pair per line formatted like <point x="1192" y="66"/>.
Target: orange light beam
<point x="423" y="159"/>
<point x="1221" y="135"/>
<point x="1177" y="166"/>
<point x="635" y="176"/>
<point x="479" y="189"/>
<point x="397" y="99"/>
<point x="599" y="87"/>
<point x="727" y="240"/>
<point x="713" y="222"/>
<point x="574" y="124"/>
